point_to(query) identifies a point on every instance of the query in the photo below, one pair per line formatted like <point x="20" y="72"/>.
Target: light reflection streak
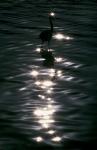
<point x="51" y="132"/>
<point x="52" y="72"/>
<point x="47" y="83"/>
<point x="44" y="125"/>
<point x="45" y="113"/>
<point x="34" y="73"/>
<point x="43" y="87"/>
<point x="52" y="14"/>
<point x="59" y="59"/>
<point x="56" y="139"/>
<point x="22" y="89"/>
<point x="42" y="96"/>
<point x="59" y="73"/>
<point x="44" y="84"/>
<point x="39" y="59"/>
<point x="45" y="121"/>
<point x="49" y="106"/>
<point x="49" y="91"/>
<point x="70" y="78"/>
<point x="38" y="139"/>
<point x="38" y="49"/>
<point x="50" y="50"/>
<point x="38" y="83"/>
<point x="60" y="36"/>
<point x="49" y="99"/>
<point x="68" y="63"/>
<point x="77" y="66"/>
<point x="45" y="116"/>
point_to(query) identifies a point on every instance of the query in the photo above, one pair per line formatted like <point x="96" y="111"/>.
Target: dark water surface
<point x="48" y="107"/>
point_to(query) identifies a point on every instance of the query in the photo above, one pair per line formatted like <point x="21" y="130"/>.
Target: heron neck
<point x="51" y="23"/>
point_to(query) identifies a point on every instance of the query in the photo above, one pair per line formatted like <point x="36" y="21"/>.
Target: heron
<point x="46" y="35"/>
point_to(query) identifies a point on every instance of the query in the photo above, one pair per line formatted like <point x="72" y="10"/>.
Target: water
<point x="42" y="105"/>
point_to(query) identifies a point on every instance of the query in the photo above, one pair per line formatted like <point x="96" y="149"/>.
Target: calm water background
<point x="34" y="115"/>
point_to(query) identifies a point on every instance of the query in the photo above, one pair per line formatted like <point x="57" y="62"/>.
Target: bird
<point x="46" y="35"/>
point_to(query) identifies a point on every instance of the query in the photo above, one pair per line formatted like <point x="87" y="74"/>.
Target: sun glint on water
<point x="52" y="14"/>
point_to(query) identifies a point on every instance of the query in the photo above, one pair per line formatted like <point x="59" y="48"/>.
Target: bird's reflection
<point x="48" y="58"/>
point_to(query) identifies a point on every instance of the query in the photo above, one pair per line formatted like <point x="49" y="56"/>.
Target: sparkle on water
<point x="49" y="91"/>
<point x="59" y="59"/>
<point x="59" y="73"/>
<point x="37" y="83"/>
<point x="52" y="74"/>
<point x="60" y="36"/>
<point x="49" y="99"/>
<point x="41" y="96"/>
<point x="50" y="50"/>
<point x="43" y="112"/>
<point x="46" y="120"/>
<point x="47" y="83"/>
<point x="38" y="49"/>
<point x="51" y="132"/>
<point x="44" y="83"/>
<point x="39" y="139"/>
<point x="49" y="106"/>
<point x="34" y="73"/>
<point x="22" y="89"/>
<point x="45" y="115"/>
<point x="51" y="70"/>
<point x="52" y="14"/>
<point x="56" y="139"/>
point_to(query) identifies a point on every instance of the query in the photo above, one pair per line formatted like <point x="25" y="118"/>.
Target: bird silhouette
<point x="48" y="58"/>
<point x="46" y="35"/>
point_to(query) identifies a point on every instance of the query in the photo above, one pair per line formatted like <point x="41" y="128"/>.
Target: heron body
<point x="46" y="36"/>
